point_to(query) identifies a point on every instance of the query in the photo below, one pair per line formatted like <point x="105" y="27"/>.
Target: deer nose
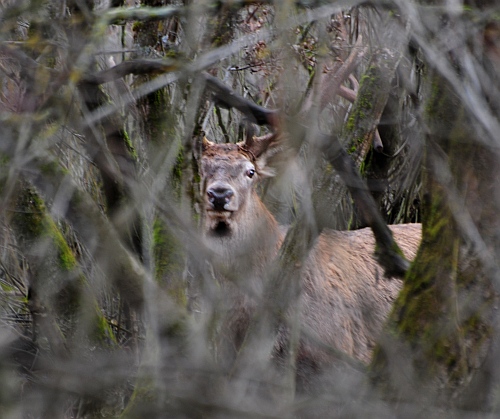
<point x="219" y="197"/>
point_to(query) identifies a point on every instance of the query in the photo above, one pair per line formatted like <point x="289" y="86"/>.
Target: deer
<point x="344" y="298"/>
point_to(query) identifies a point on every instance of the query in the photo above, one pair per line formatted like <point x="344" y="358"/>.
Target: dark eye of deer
<point x="250" y="173"/>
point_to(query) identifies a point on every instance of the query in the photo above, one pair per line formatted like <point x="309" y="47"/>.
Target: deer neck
<point x="253" y="239"/>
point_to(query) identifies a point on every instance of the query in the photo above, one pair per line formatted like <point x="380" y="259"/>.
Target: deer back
<point x="346" y="297"/>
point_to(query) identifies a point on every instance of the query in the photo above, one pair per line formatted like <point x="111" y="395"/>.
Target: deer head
<point x="229" y="175"/>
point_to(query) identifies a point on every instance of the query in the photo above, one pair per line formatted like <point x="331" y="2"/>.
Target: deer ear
<point x="258" y="145"/>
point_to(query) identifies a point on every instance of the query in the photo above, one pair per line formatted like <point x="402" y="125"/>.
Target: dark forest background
<point x="100" y="104"/>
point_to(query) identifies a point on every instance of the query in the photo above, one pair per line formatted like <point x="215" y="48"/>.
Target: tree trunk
<point x="441" y="335"/>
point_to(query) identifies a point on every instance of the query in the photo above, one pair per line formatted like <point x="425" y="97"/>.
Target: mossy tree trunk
<point x="440" y="344"/>
<point x="53" y="288"/>
<point x="165" y="155"/>
<point x="66" y="319"/>
<point x="373" y="133"/>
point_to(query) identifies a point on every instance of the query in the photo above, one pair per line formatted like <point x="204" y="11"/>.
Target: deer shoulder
<point x="345" y="298"/>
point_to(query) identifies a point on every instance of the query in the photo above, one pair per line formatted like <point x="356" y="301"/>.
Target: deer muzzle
<point x="220" y="197"/>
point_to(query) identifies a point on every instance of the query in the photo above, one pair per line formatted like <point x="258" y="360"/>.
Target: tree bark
<point x="441" y="337"/>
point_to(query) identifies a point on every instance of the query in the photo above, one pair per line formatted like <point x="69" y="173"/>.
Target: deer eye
<point x="250" y="173"/>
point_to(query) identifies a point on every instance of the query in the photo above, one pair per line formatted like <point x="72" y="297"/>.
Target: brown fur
<point x="344" y="296"/>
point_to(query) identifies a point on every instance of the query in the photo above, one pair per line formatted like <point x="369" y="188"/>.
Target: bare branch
<point x="388" y="253"/>
<point x="229" y="98"/>
<point x="332" y="82"/>
<point x="136" y="67"/>
<point x="120" y="15"/>
<point x="347" y="93"/>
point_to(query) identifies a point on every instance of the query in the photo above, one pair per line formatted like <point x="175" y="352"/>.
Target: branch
<point x="347" y="93"/>
<point x="120" y="15"/>
<point x="388" y="253"/>
<point x="332" y="82"/>
<point x="223" y="93"/>
<point x="30" y="71"/>
<point x="136" y="67"/>
<point x="27" y="64"/>
<point x="230" y="99"/>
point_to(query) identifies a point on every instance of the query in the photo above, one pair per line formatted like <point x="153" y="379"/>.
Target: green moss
<point x="416" y="305"/>
<point x="179" y="164"/>
<point x="128" y="143"/>
<point x="350" y="124"/>
<point x="53" y="169"/>
<point x="176" y="329"/>
<point x="159" y="124"/>
<point x="432" y="105"/>
<point x="66" y="258"/>
<point x="53" y="265"/>
<point x="171" y="53"/>
<point x="103" y="331"/>
<point x="169" y="261"/>
<point x="359" y="124"/>
<point x="145" y="394"/>
<point x="419" y="303"/>
<point x="6" y="287"/>
<point x="443" y="312"/>
<point x="197" y="177"/>
<point x="137" y="26"/>
<point x="29" y="215"/>
<point x="33" y="223"/>
<point x="426" y="315"/>
<point x="4" y="161"/>
<point x="364" y="168"/>
<point x="160" y="247"/>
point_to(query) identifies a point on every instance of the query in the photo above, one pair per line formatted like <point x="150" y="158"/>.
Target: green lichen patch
<point x="103" y="331"/>
<point x="169" y="261"/>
